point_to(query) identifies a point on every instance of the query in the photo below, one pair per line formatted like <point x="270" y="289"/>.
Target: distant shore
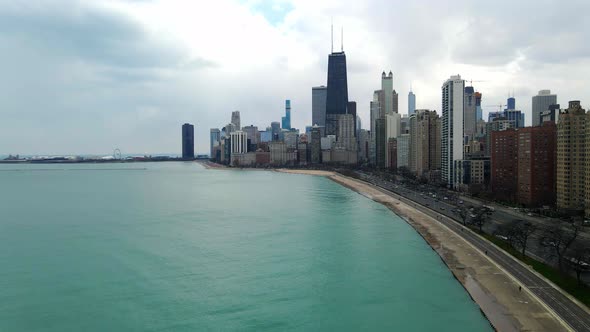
<point x="91" y="161"/>
<point x="489" y="286"/>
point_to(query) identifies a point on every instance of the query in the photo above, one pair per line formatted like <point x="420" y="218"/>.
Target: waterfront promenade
<point x="505" y="300"/>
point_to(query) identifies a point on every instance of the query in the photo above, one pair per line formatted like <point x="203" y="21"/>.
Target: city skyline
<point x="111" y="75"/>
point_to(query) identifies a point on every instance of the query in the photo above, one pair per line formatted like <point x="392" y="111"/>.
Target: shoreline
<point x="490" y="287"/>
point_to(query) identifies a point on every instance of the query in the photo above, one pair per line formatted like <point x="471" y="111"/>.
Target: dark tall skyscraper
<point x="511" y="103"/>
<point x="337" y="95"/>
<point x="351" y="109"/>
<point x="188" y="141"/>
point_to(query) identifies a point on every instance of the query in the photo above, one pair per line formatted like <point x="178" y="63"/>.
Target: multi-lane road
<point x="577" y="317"/>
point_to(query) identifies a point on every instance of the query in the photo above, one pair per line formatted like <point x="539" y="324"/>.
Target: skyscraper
<point x="253" y="133"/>
<point x="316" y="151"/>
<point x="188" y="141"/>
<point x="275" y="129"/>
<point x="387" y="88"/>
<point x="504" y="164"/>
<point x="511" y="103"/>
<point x="541" y="103"/>
<point x="214" y="136"/>
<point x="424" y="154"/>
<point x="380" y="143"/>
<point x="452" y="126"/>
<point x="571" y="157"/>
<point x="537" y="148"/>
<point x="286" y="120"/>
<point x="478" y="111"/>
<point x="411" y="102"/>
<point x="351" y="109"/>
<point x="374" y="108"/>
<point x="469" y="112"/>
<point x="337" y="94"/>
<point x="235" y="119"/>
<point x="318" y="106"/>
<point x="395" y="102"/>
<point x="239" y="142"/>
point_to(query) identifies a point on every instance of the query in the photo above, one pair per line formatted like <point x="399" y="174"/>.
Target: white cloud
<point x="85" y="68"/>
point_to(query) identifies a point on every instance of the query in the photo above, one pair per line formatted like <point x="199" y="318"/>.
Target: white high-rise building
<point x="541" y="103"/>
<point x="239" y="142"/>
<point x="411" y="103"/>
<point x="453" y="91"/>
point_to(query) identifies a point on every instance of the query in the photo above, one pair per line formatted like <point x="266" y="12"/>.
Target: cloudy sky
<point x="90" y="76"/>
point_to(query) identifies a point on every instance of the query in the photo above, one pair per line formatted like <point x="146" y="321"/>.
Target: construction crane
<point x="499" y="106"/>
<point x="476" y="81"/>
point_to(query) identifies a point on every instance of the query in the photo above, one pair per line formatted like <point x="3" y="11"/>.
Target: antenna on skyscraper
<point x="342" y="39"/>
<point x="332" y="34"/>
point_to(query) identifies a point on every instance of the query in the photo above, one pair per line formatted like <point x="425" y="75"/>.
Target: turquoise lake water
<point x="176" y="247"/>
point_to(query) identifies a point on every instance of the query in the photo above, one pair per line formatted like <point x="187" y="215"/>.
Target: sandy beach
<point x="494" y="290"/>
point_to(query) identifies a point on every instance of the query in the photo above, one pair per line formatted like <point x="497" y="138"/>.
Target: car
<point x="502" y="237"/>
<point x="445" y="198"/>
<point x="460" y="202"/>
<point x="529" y="214"/>
<point x="442" y="208"/>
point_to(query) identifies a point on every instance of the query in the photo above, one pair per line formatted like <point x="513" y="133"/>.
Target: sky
<point x="86" y="77"/>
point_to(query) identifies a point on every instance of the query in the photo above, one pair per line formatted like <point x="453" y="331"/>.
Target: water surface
<point x="176" y="247"/>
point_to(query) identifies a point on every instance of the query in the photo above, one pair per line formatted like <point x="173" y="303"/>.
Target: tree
<point x="507" y="232"/>
<point x="522" y="232"/>
<point x="462" y="212"/>
<point x="579" y="260"/>
<point x="560" y="237"/>
<point x="481" y="216"/>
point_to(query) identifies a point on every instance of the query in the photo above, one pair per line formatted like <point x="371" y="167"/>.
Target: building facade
<point x="411" y="102"/>
<point x="541" y="103"/>
<point x="316" y="148"/>
<point x="403" y="150"/>
<point x="239" y="142"/>
<point x="286" y="120"/>
<point x="452" y="126"/>
<point x="337" y="93"/>
<point x="235" y="120"/>
<point x="425" y="142"/>
<point x="469" y="113"/>
<point x="504" y="163"/>
<point x="188" y="141"/>
<point x="214" y="137"/>
<point x="318" y="106"/>
<point x="571" y="158"/>
<point x="537" y="153"/>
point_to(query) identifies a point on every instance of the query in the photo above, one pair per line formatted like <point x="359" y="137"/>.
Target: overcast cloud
<point x="91" y="76"/>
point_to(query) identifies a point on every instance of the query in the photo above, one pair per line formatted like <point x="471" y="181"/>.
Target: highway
<point x="569" y="311"/>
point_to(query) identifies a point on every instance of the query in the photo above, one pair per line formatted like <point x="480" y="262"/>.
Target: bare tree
<point x="579" y="260"/>
<point x="481" y="216"/>
<point x="462" y="212"/>
<point x="507" y="232"/>
<point x="559" y="238"/>
<point x="523" y="231"/>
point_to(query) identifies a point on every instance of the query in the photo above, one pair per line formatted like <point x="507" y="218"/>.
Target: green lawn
<point x="566" y="282"/>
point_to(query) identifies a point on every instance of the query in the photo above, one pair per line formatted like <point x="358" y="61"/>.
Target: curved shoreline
<point x="494" y="291"/>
